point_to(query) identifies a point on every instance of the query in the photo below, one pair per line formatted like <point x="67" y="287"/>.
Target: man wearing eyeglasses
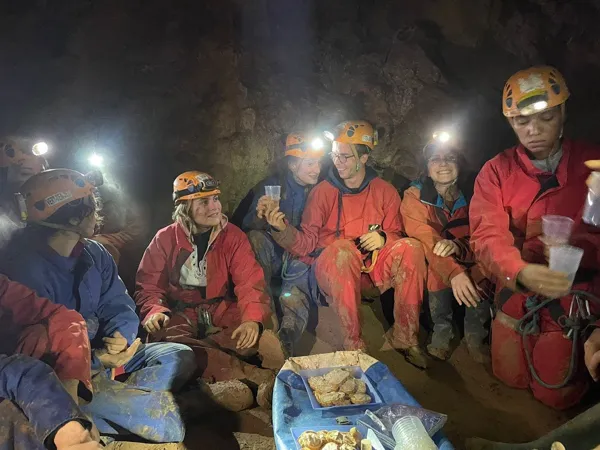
<point x="351" y="233"/>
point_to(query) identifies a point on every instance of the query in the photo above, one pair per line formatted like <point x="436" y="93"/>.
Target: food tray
<point x="296" y="432"/>
<point x="356" y="373"/>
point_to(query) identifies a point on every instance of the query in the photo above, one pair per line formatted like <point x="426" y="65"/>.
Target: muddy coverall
<point x="511" y="196"/>
<point x="293" y="304"/>
<point x="174" y="279"/>
<point x="333" y="218"/>
<point x="35" y="403"/>
<point x="87" y="282"/>
<point x="429" y="220"/>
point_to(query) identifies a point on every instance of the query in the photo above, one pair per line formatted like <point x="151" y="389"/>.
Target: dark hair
<point x="77" y="209"/>
<point x="362" y="149"/>
<point x="466" y="176"/>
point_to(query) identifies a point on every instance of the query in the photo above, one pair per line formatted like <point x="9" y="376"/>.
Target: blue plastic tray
<point x="296" y="432"/>
<point x="356" y="373"/>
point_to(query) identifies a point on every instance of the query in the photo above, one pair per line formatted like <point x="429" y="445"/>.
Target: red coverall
<point x="427" y="219"/>
<point x="511" y="196"/>
<point x="332" y="219"/>
<point x="229" y="260"/>
<point x="36" y="327"/>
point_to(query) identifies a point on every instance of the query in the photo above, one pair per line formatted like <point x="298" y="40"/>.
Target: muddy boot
<point x="264" y="395"/>
<point x="271" y="351"/>
<point x="415" y="356"/>
<point x="442" y="354"/>
<point x="440" y="307"/>
<point x="480" y="353"/>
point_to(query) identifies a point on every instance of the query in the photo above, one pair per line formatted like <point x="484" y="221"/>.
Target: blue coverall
<point x="33" y="404"/>
<point x="88" y="282"/>
<point x="297" y="287"/>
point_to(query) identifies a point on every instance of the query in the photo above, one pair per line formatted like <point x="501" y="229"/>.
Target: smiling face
<point x="539" y="133"/>
<point x="345" y="161"/>
<point x="443" y="168"/>
<point x="206" y="212"/>
<point x="306" y="170"/>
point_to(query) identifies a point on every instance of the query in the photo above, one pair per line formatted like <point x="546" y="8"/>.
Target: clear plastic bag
<point x="432" y="421"/>
<point x="382" y="420"/>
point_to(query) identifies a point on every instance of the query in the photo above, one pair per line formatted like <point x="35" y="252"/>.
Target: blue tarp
<point x="292" y="408"/>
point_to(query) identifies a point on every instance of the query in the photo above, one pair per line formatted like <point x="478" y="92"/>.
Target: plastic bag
<point x="432" y="421"/>
<point x="382" y="420"/>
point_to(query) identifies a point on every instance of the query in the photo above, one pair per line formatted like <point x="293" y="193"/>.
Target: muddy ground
<point x="476" y="404"/>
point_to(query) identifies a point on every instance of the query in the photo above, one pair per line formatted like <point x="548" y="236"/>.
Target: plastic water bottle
<point x="591" y="211"/>
<point x="410" y="434"/>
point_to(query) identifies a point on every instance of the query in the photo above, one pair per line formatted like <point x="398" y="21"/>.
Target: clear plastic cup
<point x="591" y="210"/>
<point x="410" y="434"/>
<point x="273" y="192"/>
<point x="565" y="258"/>
<point x="557" y="229"/>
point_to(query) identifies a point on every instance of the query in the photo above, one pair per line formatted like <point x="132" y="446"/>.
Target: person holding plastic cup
<point x="286" y="189"/>
<point x="352" y="235"/>
<point x="541" y="176"/>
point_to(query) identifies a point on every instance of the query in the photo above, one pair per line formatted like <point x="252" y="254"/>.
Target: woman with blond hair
<point x="199" y="283"/>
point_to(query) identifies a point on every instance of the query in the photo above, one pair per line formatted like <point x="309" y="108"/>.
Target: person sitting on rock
<point x="199" y="283"/>
<point x="543" y="175"/>
<point x="54" y="256"/>
<point x="303" y="161"/>
<point x="39" y="403"/>
<point x="435" y="211"/>
<point x="351" y="233"/>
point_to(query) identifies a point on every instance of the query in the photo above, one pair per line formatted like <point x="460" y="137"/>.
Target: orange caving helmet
<point x="50" y="190"/>
<point x="16" y="151"/>
<point x="534" y="90"/>
<point x="194" y="184"/>
<point x="296" y="144"/>
<point x="355" y="132"/>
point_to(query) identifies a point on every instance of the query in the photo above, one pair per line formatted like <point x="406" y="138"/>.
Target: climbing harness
<point x="574" y="325"/>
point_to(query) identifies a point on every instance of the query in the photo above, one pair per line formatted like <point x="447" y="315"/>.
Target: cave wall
<point x="160" y="87"/>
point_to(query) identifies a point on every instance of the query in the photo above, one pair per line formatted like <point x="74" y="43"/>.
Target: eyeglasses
<point x="341" y="157"/>
<point x="437" y="159"/>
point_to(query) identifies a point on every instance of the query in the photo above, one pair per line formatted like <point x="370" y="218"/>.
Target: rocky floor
<point x="476" y="404"/>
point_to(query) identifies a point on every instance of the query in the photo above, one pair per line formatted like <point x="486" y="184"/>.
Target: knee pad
<point x="508" y="360"/>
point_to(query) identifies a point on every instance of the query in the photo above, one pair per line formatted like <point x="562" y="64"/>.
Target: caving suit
<point x="333" y="218"/>
<point x="511" y="195"/>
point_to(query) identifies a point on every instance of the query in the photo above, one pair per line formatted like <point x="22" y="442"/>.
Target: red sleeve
<point x="304" y="241"/>
<point x="415" y="215"/>
<point x="392" y="224"/>
<point x="67" y="340"/>
<point x="491" y="239"/>
<point x="152" y="280"/>
<point x="248" y="280"/>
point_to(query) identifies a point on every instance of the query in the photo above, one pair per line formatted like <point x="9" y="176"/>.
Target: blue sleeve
<point x="35" y="389"/>
<point x="116" y="309"/>
<point x="251" y="222"/>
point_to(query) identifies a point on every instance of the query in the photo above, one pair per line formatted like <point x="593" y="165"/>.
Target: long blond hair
<point x="182" y="215"/>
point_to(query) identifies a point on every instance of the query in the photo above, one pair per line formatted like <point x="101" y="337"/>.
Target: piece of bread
<point x="335" y="436"/>
<point x="320" y="384"/>
<point x="349" y="386"/>
<point x="331" y="446"/>
<point x="361" y="387"/>
<point x="310" y="440"/>
<point x="360" y="399"/>
<point x="330" y="398"/>
<point x="337" y="377"/>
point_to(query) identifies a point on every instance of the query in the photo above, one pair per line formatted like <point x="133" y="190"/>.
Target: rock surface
<point x="233" y="395"/>
<point x="162" y="87"/>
